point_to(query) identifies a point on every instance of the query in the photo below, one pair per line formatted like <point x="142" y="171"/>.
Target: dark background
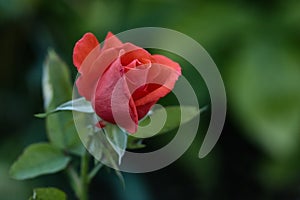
<point x="255" y="45"/>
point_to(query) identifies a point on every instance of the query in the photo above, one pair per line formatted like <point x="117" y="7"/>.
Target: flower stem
<point x="74" y="180"/>
<point x="84" y="179"/>
<point x="95" y="171"/>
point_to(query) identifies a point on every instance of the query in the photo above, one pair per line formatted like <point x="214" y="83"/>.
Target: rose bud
<point x="122" y="81"/>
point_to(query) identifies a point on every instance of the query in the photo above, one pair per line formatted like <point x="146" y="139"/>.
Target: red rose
<point x="121" y="80"/>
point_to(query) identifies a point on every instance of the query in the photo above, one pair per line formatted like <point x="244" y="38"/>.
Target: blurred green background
<point x="254" y="43"/>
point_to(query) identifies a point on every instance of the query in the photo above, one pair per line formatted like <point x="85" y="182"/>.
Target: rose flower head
<point x="121" y="80"/>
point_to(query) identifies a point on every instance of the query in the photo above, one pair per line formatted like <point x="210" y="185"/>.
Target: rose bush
<point x="121" y="80"/>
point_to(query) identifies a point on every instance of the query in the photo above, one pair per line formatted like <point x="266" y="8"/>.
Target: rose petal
<point x="144" y="90"/>
<point x="95" y="65"/>
<point x="158" y="85"/>
<point x="91" y="72"/>
<point x="111" y="41"/>
<point x="113" y="101"/>
<point x="167" y="62"/>
<point x="83" y="47"/>
<point x="144" y="109"/>
<point x="148" y="84"/>
<point x="138" y="54"/>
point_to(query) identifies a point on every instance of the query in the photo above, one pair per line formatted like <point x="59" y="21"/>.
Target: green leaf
<point x="57" y="89"/>
<point x="117" y="138"/>
<point x="79" y="105"/>
<point x="39" y="159"/>
<point x="48" y="194"/>
<point x="134" y="143"/>
<point x="96" y="141"/>
<point x="165" y="119"/>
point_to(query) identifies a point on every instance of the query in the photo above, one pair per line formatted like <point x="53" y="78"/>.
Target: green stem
<point x="84" y="178"/>
<point x="74" y="179"/>
<point x="95" y="171"/>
